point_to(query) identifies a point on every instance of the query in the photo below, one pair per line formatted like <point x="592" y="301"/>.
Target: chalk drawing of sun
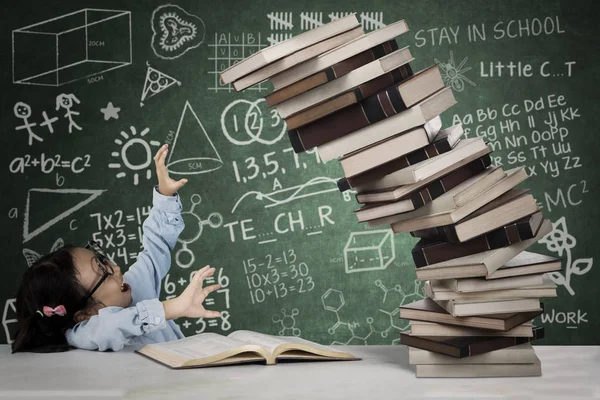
<point x="453" y="74"/>
<point x="133" y="146"/>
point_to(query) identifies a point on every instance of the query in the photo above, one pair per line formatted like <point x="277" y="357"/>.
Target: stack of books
<point x="355" y="98"/>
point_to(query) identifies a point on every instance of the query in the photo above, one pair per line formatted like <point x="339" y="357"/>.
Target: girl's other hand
<point x="166" y="185"/>
<point x="189" y="303"/>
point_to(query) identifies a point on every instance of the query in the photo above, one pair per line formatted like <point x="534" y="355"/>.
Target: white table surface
<point x="568" y="372"/>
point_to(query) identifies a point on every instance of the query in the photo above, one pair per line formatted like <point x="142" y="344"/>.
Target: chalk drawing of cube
<point x="71" y="47"/>
<point x="369" y="251"/>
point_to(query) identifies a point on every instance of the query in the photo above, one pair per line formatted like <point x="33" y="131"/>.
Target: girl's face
<point x="113" y="291"/>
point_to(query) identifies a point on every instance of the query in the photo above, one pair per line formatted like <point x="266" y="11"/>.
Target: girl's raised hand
<point x="166" y="185"/>
<point x="189" y="303"/>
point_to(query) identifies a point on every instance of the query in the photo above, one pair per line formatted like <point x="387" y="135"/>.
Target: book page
<point x="200" y="346"/>
<point x="269" y="342"/>
<point x="297" y="340"/>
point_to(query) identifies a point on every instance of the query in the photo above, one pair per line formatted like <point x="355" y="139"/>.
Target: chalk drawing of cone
<point x="192" y="151"/>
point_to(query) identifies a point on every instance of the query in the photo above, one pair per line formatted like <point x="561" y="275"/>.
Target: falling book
<point x="384" y="151"/>
<point x="478" y="370"/>
<point x="472" y="307"/>
<point x="363" y="74"/>
<point x="384" y="104"/>
<point x="296" y="58"/>
<point x="479" y="264"/>
<point x="282" y="49"/>
<point x="463" y="153"/>
<point x="423" y="196"/>
<point x="469" y="191"/>
<point x="474" y="285"/>
<point x="522" y="229"/>
<point x="212" y="349"/>
<point x="330" y="73"/>
<point x="307" y="119"/>
<point x="436" y="290"/>
<point x="459" y="202"/>
<point x="427" y="251"/>
<point x="519" y="354"/>
<point x="417" y="115"/>
<point x="460" y="347"/>
<point x="427" y="310"/>
<point x="338" y="54"/>
<point x="526" y="263"/>
<point x="422" y="328"/>
<point x="444" y="141"/>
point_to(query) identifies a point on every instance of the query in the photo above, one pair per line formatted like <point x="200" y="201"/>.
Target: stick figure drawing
<point x="66" y="101"/>
<point x="23" y="111"/>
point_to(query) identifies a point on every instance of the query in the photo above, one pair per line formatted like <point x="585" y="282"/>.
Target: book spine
<point x="463" y="346"/>
<point x="373" y="86"/>
<point x="430" y="345"/>
<point x="496" y="343"/>
<point x="516" y="232"/>
<point x="333" y="72"/>
<point x="373" y="105"/>
<point x="437" y="188"/>
<point x="506" y="235"/>
<point x="431" y="150"/>
<point x="427" y="252"/>
<point x="363" y="58"/>
<point x="435" y="233"/>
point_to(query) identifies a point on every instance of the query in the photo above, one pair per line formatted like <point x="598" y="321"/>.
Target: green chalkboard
<point x="90" y="89"/>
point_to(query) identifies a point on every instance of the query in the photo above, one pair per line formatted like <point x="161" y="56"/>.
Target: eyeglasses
<point x="103" y="263"/>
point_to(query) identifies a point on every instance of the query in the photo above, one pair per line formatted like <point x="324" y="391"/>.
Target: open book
<point x="212" y="349"/>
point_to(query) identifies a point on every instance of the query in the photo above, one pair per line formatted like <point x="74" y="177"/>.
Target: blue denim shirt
<point x="143" y="322"/>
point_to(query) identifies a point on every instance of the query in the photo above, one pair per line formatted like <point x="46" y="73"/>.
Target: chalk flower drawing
<point x="453" y="75"/>
<point x="560" y="241"/>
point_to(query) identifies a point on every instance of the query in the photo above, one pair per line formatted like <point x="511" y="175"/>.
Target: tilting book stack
<point x="356" y="99"/>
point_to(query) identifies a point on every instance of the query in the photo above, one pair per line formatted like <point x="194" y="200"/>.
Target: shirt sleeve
<point x="113" y="327"/>
<point x="160" y="232"/>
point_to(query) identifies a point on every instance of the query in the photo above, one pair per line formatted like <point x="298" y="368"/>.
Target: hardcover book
<point x="465" y="346"/>
<point x="427" y="310"/>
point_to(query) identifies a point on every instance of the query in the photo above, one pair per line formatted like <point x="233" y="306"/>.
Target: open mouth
<point x="125" y="287"/>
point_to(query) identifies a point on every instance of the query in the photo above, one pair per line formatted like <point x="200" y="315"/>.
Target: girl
<point x="77" y="297"/>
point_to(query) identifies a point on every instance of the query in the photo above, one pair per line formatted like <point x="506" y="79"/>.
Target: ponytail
<point x="51" y="281"/>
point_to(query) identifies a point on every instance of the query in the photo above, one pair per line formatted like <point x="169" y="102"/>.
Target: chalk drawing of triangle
<point x="149" y="91"/>
<point x="43" y="203"/>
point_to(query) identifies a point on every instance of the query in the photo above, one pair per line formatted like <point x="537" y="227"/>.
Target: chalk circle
<point x="196" y="200"/>
<point x="184" y="252"/>
<point x="145" y="146"/>
<point x="194" y="165"/>
<point x="193" y="227"/>
<point x="253" y="123"/>
<point x="214" y="220"/>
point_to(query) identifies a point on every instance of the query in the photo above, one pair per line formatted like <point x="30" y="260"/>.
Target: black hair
<point x="51" y="281"/>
